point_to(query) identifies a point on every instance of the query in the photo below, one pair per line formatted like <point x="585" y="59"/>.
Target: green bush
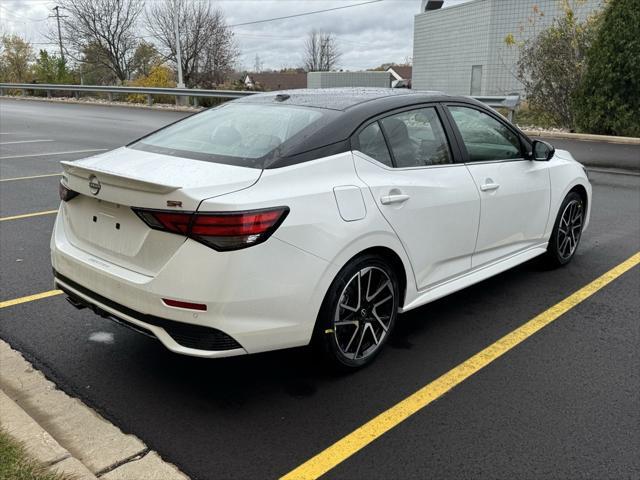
<point x="608" y="99"/>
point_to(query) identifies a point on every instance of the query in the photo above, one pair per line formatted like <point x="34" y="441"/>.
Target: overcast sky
<point x="368" y="35"/>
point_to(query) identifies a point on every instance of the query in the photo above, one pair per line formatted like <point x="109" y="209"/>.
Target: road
<point x="563" y="404"/>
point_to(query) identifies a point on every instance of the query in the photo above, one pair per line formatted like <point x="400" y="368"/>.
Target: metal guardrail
<point x="509" y="103"/>
<point x="111" y="91"/>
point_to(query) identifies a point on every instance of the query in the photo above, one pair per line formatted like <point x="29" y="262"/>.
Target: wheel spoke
<point x="386" y="299"/>
<point x="347" y="307"/>
<point x="373" y="334"/>
<point x="366" y="295"/>
<point x="377" y="317"/>
<point x="363" y="330"/>
<point x="355" y="331"/>
<point x="346" y="322"/>
<point x="382" y="287"/>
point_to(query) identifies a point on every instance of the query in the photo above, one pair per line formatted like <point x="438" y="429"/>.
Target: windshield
<point x="246" y="134"/>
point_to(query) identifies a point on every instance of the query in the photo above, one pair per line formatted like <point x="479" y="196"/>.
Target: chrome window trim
<point x="366" y="157"/>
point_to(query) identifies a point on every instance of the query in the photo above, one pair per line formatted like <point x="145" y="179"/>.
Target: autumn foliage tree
<point x="552" y="65"/>
<point x="15" y="60"/>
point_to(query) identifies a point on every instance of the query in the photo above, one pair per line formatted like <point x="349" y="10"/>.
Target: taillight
<point x="66" y="193"/>
<point x="221" y="231"/>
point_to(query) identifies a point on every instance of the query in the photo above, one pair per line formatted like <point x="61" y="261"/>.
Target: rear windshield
<point x="242" y="134"/>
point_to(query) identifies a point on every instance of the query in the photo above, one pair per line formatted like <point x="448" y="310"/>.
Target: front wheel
<point x="567" y="230"/>
<point x="358" y="313"/>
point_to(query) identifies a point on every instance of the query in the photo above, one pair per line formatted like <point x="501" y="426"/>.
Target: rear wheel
<point x="358" y="313"/>
<point x="567" y="230"/>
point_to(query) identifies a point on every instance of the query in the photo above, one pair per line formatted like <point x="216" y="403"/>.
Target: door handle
<point x="390" y="199"/>
<point x="489" y="186"/>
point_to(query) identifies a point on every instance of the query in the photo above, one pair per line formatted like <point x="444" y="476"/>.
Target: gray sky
<point x="368" y="35"/>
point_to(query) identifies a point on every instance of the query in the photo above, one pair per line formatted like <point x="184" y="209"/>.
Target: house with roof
<point x="400" y="75"/>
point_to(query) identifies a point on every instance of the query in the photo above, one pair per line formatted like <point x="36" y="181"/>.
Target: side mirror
<point x="542" y="151"/>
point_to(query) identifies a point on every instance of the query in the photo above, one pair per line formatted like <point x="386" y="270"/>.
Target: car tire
<point x="567" y="230"/>
<point x="358" y="313"/>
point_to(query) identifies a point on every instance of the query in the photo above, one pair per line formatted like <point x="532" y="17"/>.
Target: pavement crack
<point x="58" y="460"/>
<point x="131" y="458"/>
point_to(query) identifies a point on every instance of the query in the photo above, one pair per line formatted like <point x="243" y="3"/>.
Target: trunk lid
<point x="100" y="221"/>
<point x="146" y="179"/>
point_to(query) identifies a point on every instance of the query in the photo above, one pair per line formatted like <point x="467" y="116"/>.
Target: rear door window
<point x="371" y="142"/>
<point x="417" y="138"/>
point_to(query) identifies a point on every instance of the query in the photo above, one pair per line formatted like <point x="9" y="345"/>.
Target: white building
<point x="461" y="49"/>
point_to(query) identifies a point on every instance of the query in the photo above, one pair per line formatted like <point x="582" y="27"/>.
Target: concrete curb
<point x="65" y="434"/>
<point x="583" y="137"/>
<point x="38" y="443"/>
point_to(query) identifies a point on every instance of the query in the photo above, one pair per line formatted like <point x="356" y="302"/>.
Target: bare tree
<point x="321" y="52"/>
<point x="107" y="26"/>
<point x="207" y="46"/>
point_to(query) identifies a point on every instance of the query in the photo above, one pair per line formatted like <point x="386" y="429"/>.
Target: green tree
<point x="51" y="69"/>
<point x="94" y="69"/>
<point x="17" y="56"/>
<point x="145" y="58"/>
<point x="552" y="64"/>
<point x="608" y="100"/>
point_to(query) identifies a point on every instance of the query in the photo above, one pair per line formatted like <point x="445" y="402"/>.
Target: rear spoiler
<point x="116" y="179"/>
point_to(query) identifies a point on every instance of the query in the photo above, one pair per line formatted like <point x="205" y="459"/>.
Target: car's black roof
<point x="348" y="109"/>
<point x="340" y="98"/>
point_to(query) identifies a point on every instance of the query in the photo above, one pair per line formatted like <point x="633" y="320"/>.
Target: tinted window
<point x="416" y="138"/>
<point x="485" y="137"/>
<point x="237" y="134"/>
<point x="372" y="143"/>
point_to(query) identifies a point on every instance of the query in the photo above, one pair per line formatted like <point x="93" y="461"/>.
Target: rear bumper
<point x="176" y="336"/>
<point x="266" y="297"/>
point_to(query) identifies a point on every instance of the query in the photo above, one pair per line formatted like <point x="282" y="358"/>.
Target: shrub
<point x="159" y="76"/>
<point x="608" y="99"/>
<point x="552" y="64"/>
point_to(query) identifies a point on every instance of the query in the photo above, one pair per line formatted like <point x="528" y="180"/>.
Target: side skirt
<point x="473" y="277"/>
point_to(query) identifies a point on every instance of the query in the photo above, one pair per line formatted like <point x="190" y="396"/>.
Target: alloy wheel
<point x="364" y="313"/>
<point x="570" y="229"/>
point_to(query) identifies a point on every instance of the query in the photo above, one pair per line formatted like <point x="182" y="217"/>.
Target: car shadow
<point x="237" y="381"/>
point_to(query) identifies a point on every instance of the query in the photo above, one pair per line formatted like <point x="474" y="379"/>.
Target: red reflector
<point x="179" y="304"/>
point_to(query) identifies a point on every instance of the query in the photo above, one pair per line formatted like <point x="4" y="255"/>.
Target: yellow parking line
<point x="30" y="298"/>
<point x="373" y="429"/>
<point x="28" y="215"/>
<point x="29" y="178"/>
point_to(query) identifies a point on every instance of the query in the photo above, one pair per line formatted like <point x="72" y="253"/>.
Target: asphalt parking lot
<point x="562" y="404"/>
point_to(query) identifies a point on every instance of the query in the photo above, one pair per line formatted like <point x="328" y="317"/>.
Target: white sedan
<point x="309" y="216"/>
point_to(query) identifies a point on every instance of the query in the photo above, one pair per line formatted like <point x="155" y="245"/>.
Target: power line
<point x="303" y="14"/>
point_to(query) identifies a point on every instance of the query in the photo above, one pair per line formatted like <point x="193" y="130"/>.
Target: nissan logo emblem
<point x="94" y="184"/>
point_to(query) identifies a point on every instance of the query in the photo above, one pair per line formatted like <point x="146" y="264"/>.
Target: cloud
<point x="368" y="35"/>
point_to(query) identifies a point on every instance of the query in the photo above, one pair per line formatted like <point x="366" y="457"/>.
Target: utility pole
<point x="57" y="10"/>
<point x="178" y="54"/>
